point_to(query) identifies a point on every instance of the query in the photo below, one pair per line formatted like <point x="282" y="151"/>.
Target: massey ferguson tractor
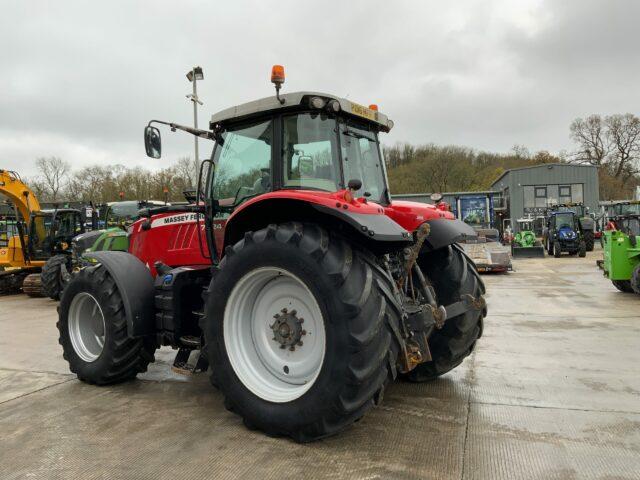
<point x="293" y="278"/>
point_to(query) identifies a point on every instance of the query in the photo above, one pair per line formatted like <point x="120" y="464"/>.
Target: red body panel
<point x="172" y="239"/>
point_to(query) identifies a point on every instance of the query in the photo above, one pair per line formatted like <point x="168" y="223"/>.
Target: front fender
<point x="443" y="232"/>
<point x="135" y="284"/>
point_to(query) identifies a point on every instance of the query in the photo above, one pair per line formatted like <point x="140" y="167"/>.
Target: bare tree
<point x="593" y="143"/>
<point x="623" y="132"/>
<point x="187" y="170"/>
<point x="53" y="173"/>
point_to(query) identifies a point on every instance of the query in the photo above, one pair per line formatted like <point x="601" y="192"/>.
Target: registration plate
<point x="363" y="111"/>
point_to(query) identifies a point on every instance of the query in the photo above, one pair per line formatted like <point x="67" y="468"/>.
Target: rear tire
<point x="452" y="274"/>
<point x="354" y="307"/>
<point x="589" y="240"/>
<point x="52" y="284"/>
<point x="93" y="331"/>
<point x="557" y="249"/>
<point x="623" y="285"/>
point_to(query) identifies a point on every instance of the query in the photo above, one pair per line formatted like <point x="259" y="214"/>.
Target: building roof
<point x="271" y="103"/>
<point x="541" y="165"/>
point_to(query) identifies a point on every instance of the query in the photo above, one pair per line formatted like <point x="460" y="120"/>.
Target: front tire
<point x="623" y="285"/>
<point x="635" y="279"/>
<point x="589" y="240"/>
<point x="335" y="287"/>
<point x="51" y="276"/>
<point x="557" y="249"/>
<point x="452" y="274"/>
<point x="93" y="331"/>
<point x="582" y="249"/>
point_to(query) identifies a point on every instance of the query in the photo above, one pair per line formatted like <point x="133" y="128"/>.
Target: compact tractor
<point x="562" y="233"/>
<point x="57" y="271"/>
<point x="586" y="222"/>
<point x="294" y="276"/>
<point x="622" y="253"/>
<point x="524" y="243"/>
<point x="41" y="234"/>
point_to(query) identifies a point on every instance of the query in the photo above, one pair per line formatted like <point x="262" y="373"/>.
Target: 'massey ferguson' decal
<point x="174" y="220"/>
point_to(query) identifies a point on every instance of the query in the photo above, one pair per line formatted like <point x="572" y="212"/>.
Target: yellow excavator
<point x="40" y="235"/>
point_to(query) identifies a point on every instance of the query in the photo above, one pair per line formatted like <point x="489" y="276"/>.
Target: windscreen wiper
<point x="353" y="134"/>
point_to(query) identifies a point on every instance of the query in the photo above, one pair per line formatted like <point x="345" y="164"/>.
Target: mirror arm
<point x="193" y="131"/>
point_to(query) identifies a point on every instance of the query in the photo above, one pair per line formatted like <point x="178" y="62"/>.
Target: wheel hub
<point x="287" y="329"/>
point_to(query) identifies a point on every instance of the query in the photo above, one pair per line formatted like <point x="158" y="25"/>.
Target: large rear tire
<point x="452" y="274"/>
<point x="93" y="331"/>
<point x="288" y="274"/>
<point x="589" y="240"/>
<point x="51" y="276"/>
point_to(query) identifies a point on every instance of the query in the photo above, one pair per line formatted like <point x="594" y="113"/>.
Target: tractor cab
<point x="51" y="232"/>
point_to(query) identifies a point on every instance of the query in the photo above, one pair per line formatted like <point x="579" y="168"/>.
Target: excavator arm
<point x="12" y="186"/>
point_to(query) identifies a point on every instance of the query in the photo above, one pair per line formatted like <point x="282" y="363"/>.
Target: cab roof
<point x="300" y="100"/>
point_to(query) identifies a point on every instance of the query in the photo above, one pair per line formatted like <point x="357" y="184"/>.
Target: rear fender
<point x="376" y="231"/>
<point x="443" y="232"/>
<point x="135" y="284"/>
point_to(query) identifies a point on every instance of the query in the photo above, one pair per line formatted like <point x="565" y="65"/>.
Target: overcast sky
<point x="79" y="80"/>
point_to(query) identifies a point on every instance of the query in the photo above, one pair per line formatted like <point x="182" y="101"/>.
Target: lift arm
<point x="20" y="195"/>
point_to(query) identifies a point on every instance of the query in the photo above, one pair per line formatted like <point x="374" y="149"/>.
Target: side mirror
<point x="152" y="143"/>
<point x="436" y="197"/>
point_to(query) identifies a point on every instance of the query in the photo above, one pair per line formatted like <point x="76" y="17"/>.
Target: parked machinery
<point x="562" y="233"/>
<point x="525" y="244"/>
<point x="118" y="216"/>
<point x="41" y="234"/>
<point x="622" y="253"/>
<point x="311" y="289"/>
<point x="586" y="222"/>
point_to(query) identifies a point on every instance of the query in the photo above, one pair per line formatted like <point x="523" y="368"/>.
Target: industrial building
<point x="529" y="191"/>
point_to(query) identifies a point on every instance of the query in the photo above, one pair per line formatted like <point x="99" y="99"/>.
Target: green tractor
<point x="56" y="273"/>
<point x="525" y="244"/>
<point x="622" y="254"/>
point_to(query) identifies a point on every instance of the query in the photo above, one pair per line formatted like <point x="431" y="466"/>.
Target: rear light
<point x="373" y="107"/>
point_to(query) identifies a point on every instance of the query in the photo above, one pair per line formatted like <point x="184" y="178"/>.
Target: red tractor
<point x="293" y="276"/>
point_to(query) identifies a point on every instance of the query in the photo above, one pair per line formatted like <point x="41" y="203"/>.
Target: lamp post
<point x="194" y="75"/>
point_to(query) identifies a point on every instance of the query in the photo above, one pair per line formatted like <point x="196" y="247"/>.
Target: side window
<point x="310" y="152"/>
<point x="243" y="163"/>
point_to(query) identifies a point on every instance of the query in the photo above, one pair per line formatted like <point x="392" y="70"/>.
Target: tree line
<point x="56" y="181"/>
<point x="611" y="143"/>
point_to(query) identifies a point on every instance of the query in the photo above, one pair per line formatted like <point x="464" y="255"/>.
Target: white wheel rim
<point x="86" y="326"/>
<point x="273" y="373"/>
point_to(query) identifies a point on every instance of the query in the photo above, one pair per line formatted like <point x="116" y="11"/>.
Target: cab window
<point x="310" y="152"/>
<point x="243" y="163"/>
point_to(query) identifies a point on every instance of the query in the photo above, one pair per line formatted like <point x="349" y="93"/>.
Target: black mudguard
<point x="375" y="227"/>
<point x="587" y="223"/>
<point x="443" y="232"/>
<point x="135" y="284"/>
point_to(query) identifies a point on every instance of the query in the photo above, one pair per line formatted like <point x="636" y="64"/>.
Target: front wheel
<point x="589" y="240"/>
<point x="93" y="331"/>
<point x="51" y="276"/>
<point x="635" y="279"/>
<point x="623" y="285"/>
<point x="298" y="331"/>
<point x="557" y="249"/>
<point x="582" y="250"/>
